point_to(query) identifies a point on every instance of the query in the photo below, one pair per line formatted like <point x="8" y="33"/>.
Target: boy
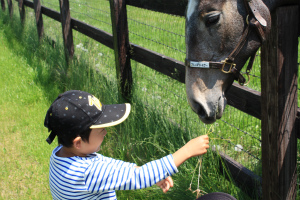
<point x="79" y="120"/>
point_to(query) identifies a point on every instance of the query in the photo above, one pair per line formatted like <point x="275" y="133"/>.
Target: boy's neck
<point x="68" y="152"/>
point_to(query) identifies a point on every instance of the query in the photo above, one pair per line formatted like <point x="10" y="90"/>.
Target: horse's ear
<point x="261" y="13"/>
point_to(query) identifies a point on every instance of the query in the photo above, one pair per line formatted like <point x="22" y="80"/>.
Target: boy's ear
<point x="77" y="142"/>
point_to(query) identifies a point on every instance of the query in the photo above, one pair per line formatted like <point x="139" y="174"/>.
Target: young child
<point x="79" y="120"/>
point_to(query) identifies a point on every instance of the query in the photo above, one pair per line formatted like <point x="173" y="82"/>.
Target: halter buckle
<point x="225" y="62"/>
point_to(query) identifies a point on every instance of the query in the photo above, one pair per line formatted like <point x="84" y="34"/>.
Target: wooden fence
<point x="276" y="106"/>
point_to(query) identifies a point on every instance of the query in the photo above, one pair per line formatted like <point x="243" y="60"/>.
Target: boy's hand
<point x="195" y="147"/>
<point x="165" y="184"/>
<point x="198" y="146"/>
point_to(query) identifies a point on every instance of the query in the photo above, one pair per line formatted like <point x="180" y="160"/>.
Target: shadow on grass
<point x="22" y="40"/>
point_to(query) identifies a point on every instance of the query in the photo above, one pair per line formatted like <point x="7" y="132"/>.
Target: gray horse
<point x="221" y="35"/>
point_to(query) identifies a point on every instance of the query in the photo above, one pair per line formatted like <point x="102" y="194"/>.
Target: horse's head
<point x="219" y="30"/>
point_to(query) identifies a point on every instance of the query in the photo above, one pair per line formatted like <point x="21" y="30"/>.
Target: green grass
<point x="161" y="121"/>
<point x="24" y="156"/>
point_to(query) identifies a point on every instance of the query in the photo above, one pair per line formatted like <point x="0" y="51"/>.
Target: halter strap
<point x="228" y="65"/>
<point x="224" y="66"/>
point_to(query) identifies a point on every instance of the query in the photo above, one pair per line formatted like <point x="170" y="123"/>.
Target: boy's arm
<point x="195" y="147"/>
<point x="105" y="176"/>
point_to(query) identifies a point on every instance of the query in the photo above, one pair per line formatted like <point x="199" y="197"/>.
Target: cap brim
<point x="112" y="115"/>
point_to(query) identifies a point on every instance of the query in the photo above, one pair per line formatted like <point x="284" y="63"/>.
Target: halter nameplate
<point x="230" y="67"/>
<point x="200" y="64"/>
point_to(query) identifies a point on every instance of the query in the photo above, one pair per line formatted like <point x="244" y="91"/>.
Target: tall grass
<point x="161" y="120"/>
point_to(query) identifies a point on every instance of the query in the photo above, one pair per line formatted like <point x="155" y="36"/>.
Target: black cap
<point x="216" y="196"/>
<point x="75" y="111"/>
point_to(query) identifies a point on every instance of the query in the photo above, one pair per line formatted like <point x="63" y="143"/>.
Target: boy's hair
<point x="74" y="113"/>
<point x="67" y="139"/>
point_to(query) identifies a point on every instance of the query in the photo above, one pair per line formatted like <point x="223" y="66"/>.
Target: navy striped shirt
<point x="97" y="176"/>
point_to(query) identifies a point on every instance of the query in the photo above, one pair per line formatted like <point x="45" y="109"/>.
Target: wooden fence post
<point x="10" y="8"/>
<point x="39" y="18"/>
<point x="3" y="5"/>
<point x="121" y="46"/>
<point x="65" y="17"/>
<point x="279" y="106"/>
<point x="22" y="10"/>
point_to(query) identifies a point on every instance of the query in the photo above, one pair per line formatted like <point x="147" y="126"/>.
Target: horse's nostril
<point x="202" y="113"/>
<point x="200" y="110"/>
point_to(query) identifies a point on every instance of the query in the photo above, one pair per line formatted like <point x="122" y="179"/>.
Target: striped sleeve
<point x="119" y="175"/>
<point x="116" y="161"/>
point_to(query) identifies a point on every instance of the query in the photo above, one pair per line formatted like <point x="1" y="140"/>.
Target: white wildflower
<point x="238" y="148"/>
<point x="216" y="147"/>
<point x="79" y="45"/>
<point x="83" y="49"/>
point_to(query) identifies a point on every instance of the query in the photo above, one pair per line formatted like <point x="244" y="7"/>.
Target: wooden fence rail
<point x="39" y="18"/>
<point x="2" y="5"/>
<point x="66" y="28"/>
<point x="22" y="11"/>
<point x="279" y="106"/>
<point x="242" y="98"/>
<point x="121" y="46"/>
<point x="10" y="7"/>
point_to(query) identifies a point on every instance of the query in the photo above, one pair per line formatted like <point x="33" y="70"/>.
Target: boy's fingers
<point x="166" y="184"/>
<point x="170" y="181"/>
<point x="167" y="187"/>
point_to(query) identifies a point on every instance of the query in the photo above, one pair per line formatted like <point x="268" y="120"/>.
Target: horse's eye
<point x="211" y="19"/>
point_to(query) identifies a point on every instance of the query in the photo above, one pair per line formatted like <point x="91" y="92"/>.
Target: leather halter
<point x="228" y="65"/>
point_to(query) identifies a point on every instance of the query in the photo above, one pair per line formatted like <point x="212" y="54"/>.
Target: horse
<point x="221" y="35"/>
